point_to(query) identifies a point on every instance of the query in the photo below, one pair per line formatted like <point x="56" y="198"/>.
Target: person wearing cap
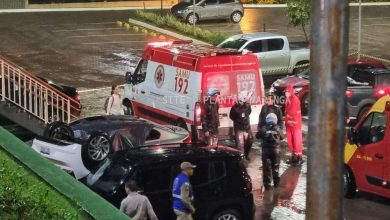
<point x="271" y="135"/>
<point x="182" y="193"/>
<point x="239" y="114"/>
<point x="293" y="123"/>
<point x="135" y="205"/>
<point x="210" y="116"/>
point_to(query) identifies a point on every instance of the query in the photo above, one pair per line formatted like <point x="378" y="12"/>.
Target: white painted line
<point x="117" y="42"/>
<point x="387" y="25"/>
<point x="103" y="35"/>
<point x="75" y="24"/>
<point x="372" y="18"/>
<point x="86" y="29"/>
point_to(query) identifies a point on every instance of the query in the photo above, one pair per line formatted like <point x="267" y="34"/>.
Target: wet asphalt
<point x="89" y="50"/>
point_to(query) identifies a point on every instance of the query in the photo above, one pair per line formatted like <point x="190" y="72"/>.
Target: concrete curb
<point x="164" y="7"/>
<point x="166" y="32"/>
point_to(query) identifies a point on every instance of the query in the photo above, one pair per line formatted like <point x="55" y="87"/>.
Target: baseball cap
<point x="186" y="165"/>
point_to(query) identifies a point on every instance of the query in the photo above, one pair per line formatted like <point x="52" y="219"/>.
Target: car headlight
<point x="297" y="89"/>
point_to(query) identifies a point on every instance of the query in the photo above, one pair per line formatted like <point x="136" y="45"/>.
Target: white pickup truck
<point x="277" y="56"/>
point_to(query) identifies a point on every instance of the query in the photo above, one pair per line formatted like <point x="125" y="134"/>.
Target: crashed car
<point x="99" y="136"/>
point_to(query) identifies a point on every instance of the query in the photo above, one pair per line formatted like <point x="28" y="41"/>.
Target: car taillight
<point x="349" y="93"/>
<point x="197" y="113"/>
<point x="379" y="92"/>
<point x="77" y="97"/>
<point x="187" y="140"/>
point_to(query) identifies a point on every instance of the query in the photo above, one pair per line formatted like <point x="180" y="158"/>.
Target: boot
<point x="299" y="161"/>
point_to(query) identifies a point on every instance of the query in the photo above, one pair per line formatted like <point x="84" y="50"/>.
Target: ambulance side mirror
<point x="352" y="136"/>
<point x="129" y="78"/>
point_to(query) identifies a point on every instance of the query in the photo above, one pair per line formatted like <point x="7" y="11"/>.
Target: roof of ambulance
<point x="196" y="50"/>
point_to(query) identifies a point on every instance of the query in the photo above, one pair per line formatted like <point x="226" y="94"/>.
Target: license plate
<point x="45" y="150"/>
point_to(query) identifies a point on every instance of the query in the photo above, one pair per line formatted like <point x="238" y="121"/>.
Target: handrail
<point x="34" y="95"/>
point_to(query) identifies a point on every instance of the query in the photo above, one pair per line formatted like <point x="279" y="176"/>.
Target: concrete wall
<point x="147" y="3"/>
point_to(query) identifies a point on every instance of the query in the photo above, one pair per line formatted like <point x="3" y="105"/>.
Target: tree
<point x="299" y="14"/>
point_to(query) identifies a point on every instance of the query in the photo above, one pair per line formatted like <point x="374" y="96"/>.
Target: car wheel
<point x="59" y="130"/>
<point x="298" y="68"/>
<point x="236" y="16"/>
<point x="98" y="147"/>
<point x="192" y="19"/>
<point x="349" y="184"/>
<point x="305" y="104"/>
<point x="229" y="214"/>
<point x="129" y="107"/>
<point x="363" y="112"/>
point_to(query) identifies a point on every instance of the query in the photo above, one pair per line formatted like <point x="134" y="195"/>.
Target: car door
<point x="371" y="157"/>
<point x="225" y="8"/>
<point x="139" y="88"/>
<point x="156" y="182"/>
<point x="208" y="9"/>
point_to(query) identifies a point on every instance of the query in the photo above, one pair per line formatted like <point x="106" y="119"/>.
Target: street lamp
<point x="359" y="29"/>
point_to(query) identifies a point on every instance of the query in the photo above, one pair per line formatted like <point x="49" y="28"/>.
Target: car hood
<point x="180" y="6"/>
<point x="295" y="81"/>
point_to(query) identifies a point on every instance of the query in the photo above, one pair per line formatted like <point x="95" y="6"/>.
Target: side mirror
<point x="129" y="77"/>
<point x="352" y="136"/>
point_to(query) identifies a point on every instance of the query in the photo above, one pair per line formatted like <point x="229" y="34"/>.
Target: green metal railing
<point x="69" y="187"/>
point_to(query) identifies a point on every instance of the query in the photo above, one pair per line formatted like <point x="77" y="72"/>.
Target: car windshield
<point x="234" y="43"/>
<point x="304" y="74"/>
<point x="108" y="176"/>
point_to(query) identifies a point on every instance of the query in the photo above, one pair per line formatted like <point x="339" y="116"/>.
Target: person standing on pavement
<point x="239" y="114"/>
<point x="270" y="107"/>
<point x="293" y="123"/>
<point x="182" y="193"/>
<point x="210" y="116"/>
<point x="114" y="105"/>
<point x="136" y="206"/>
<point x="271" y="135"/>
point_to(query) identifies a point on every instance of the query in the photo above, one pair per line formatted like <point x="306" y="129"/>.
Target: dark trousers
<point x="271" y="160"/>
<point x="244" y="141"/>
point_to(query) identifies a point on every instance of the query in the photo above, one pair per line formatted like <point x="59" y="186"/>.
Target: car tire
<point x="59" y="130"/>
<point x="98" y="147"/>
<point x="298" y="70"/>
<point x="227" y="214"/>
<point x="236" y="17"/>
<point x="363" y="112"/>
<point x="305" y="104"/>
<point x="191" y="18"/>
<point x="129" y="107"/>
<point x="349" y="184"/>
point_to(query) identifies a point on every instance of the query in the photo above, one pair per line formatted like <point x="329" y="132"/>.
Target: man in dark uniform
<point x="270" y="155"/>
<point x="210" y="117"/>
<point x="270" y="107"/>
<point x="239" y="114"/>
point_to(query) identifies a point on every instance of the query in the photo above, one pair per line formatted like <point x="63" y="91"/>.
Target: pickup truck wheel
<point x="98" y="147"/>
<point x="59" y="130"/>
<point x="236" y="16"/>
<point x="192" y="19"/>
<point x="305" y="104"/>
<point x="349" y="184"/>
<point x="363" y="112"/>
<point x="228" y="214"/>
<point x="300" y="68"/>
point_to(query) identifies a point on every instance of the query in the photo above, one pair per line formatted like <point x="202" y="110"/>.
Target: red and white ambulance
<point x="171" y="80"/>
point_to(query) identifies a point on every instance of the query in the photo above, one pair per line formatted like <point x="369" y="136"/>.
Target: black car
<point x="222" y="187"/>
<point x="102" y="135"/>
